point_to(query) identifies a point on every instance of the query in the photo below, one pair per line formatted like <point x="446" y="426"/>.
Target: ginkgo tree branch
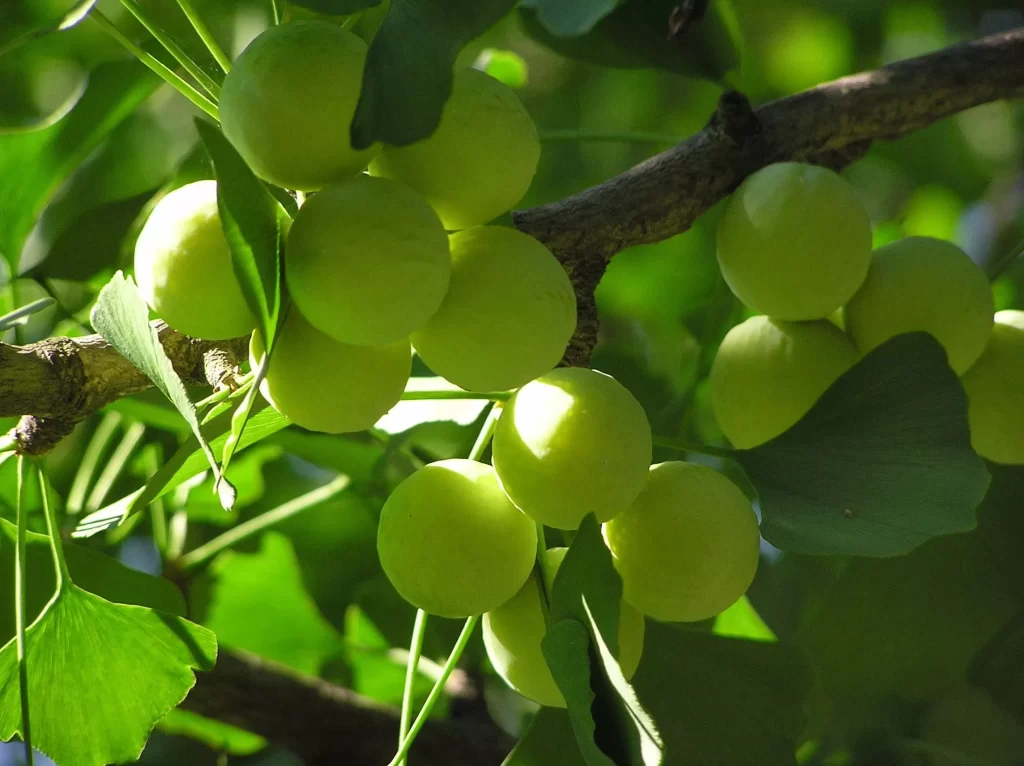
<point x="832" y="125"/>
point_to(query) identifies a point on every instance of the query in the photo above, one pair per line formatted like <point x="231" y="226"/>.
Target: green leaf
<point x="722" y="700"/>
<point x="570" y="18"/>
<point x="39" y="89"/>
<point x="505" y="66"/>
<point x="92" y="570"/>
<point x="189" y="461"/>
<point x="408" y="74"/>
<point x="25" y="19"/>
<point x="999" y="667"/>
<point x="253" y="223"/>
<point x="880" y="464"/>
<point x="100" y="675"/>
<point x="220" y="737"/>
<point x="337" y="7"/>
<point x="122" y="318"/>
<point x="547" y="740"/>
<point x="635" y="36"/>
<point x="33" y="165"/>
<point x="260" y="604"/>
<point x="581" y="646"/>
<point x="741" y="620"/>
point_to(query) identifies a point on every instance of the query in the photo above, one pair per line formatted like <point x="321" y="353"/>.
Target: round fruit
<point x="508" y="315"/>
<point x="183" y="266"/>
<point x="367" y="261"/>
<point x="479" y="161"/>
<point x="688" y="546"/>
<point x="572" y="442"/>
<point x="794" y="242"/>
<point x="995" y="394"/>
<point x="513" y="633"/>
<point x="324" y="385"/>
<point x="288" y="101"/>
<point x="452" y="543"/>
<point x="923" y="284"/>
<point x="768" y="374"/>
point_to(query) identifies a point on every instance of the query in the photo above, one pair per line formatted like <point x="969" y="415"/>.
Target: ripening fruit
<point x="688" y="546"/>
<point x="288" y="101"/>
<point x="768" y="374"/>
<point x="324" y="385"/>
<point x="572" y="442"/>
<point x="367" y="261"/>
<point x="183" y="266"/>
<point x="513" y="633"/>
<point x="995" y="392"/>
<point x="452" y="543"/>
<point x="794" y="242"/>
<point x="508" y="315"/>
<point x="480" y="160"/>
<point x="923" y="284"/>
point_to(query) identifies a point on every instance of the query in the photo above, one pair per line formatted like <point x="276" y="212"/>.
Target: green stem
<point x="419" y="629"/>
<point x="494" y="396"/>
<point x="437" y="690"/>
<point x="483" y="439"/>
<point x="275" y="11"/>
<point x="8" y="443"/>
<point x="19" y="612"/>
<point x="90" y="461"/>
<point x="112" y="470"/>
<point x="701" y="449"/>
<point x="205" y="81"/>
<point x="351" y="21"/>
<point x="56" y="544"/>
<point x="177" y="532"/>
<point x="157" y="509"/>
<point x="204" y="553"/>
<point x="204" y="34"/>
<point x="997" y="266"/>
<point x="156" y="65"/>
<point x="227" y="393"/>
<point x="604" y="136"/>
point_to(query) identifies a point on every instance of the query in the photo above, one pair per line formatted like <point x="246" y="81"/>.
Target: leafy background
<point x="849" y="659"/>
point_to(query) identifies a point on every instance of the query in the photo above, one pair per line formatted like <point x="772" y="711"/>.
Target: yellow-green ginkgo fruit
<point x="688" y="547"/>
<point x="768" y="374"/>
<point x="514" y="631"/>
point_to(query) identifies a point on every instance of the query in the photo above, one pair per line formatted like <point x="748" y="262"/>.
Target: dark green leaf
<point x="548" y="740"/>
<point x="90" y="569"/>
<point x="33" y="165"/>
<point x="636" y="36"/>
<point x="722" y="700"/>
<point x="24" y="19"/>
<point x="408" y="75"/>
<point x="337" y="7"/>
<point x="880" y="464"/>
<point x="999" y="667"/>
<point x="570" y="18"/>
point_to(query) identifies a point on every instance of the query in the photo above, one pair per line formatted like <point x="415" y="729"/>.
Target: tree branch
<point x="326" y="724"/>
<point x="832" y="125"/>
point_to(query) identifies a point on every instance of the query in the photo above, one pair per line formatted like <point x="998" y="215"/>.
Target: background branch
<point x="832" y="125"/>
<point x="326" y="724"/>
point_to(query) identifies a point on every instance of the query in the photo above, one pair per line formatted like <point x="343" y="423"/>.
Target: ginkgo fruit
<point x="514" y="631"/>
<point x="572" y="442"/>
<point x="508" y="315"/>
<point x="367" y="261"/>
<point x="324" y="385"/>
<point x="794" y="241"/>
<point x="288" y="101"/>
<point x="183" y="266"/>
<point x="452" y="543"/>
<point x="480" y="160"/>
<point x="923" y="284"/>
<point x="688" y="547"/>
<point x="767" y="374"/>
<point x="995" y="392"/>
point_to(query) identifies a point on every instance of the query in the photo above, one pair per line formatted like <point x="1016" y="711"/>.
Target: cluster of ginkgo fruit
<point x="391" y="252"/>
<point x="795" y="243"/>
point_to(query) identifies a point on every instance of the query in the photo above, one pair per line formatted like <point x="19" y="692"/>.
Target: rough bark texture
<point x="326" y="724"/>
<point x="831" y="125"/>
<point x="57" y="382"/>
